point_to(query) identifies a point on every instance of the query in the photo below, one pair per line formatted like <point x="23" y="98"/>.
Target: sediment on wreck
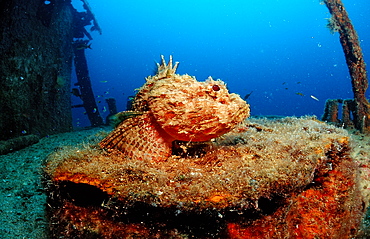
<point x="340" y="22"/>
<point x="286" y="178"/>
<point x="35" y="65"/>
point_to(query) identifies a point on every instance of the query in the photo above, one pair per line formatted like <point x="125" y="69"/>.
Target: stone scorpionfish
<point x="171" y="107"/>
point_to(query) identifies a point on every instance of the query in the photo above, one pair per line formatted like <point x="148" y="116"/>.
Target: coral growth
<point x="333" y="25"/>
<point x="264" y="179"/>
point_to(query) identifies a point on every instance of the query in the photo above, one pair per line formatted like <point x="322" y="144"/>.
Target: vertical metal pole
<point x="340" y="22"/>
<point x="83" y="81"/>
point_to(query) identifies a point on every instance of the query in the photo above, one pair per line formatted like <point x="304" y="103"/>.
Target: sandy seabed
<point x="23" y="204"/>
<point x="23" y="199"/>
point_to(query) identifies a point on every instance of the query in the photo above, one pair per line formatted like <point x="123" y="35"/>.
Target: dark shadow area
<point x="210" y="223"/>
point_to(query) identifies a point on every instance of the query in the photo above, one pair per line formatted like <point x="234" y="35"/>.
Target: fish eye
<point x="216" y="88"/>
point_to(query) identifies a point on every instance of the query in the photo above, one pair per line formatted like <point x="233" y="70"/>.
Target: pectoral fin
<point x="140" y="138"/>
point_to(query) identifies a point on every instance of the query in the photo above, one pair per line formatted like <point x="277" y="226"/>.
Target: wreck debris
<point x="17" y="143"/>
<point x="82" y="19"/>
<point x="340" y="22"/>
<point x="331" y="112"/>
<point x="287" y="178"/>
<point x="84" y="84"/>
<point x="95" y="26"/>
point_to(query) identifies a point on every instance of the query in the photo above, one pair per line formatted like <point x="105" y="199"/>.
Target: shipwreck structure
<point x="36" y="45"/>
<point x="340" y="22"/>
<point x="36" y="49"/>
<point x="80" y="21"/>
<point x="287" y="178"/>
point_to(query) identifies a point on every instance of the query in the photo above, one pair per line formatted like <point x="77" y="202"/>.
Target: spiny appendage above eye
<point x="166" y="70"/>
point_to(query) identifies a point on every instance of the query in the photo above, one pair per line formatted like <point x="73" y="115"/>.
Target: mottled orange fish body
<point x="178" y="107"/>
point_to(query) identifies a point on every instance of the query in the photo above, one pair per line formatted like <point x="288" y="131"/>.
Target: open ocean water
<point x="280" y="50"/>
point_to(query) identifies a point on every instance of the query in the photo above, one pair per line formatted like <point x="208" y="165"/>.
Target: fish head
<point x="190" y="110"/>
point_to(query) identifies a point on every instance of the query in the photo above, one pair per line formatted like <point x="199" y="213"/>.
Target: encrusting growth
<point x="340" y="22"/>
<point x="281" y="178"/>
<point x="285" y="178"/>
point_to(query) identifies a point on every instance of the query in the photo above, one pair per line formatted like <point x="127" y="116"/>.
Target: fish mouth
<point x="244" y="109"/>
<point x="242" y="112"/>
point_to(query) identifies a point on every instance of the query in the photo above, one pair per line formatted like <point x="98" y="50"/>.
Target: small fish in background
<point x="103" y="81"/>
<point x="83" y="46"/>
<point x="298" y="82"/>
<point x="95" y="110"/>
<point x="313" y="97"/>
<point x="298" y="93"/>
<point x="247" y="95"/>
<point x="104" y="109"/>
<point x="283" y="83"/>
<point x="76" y="92"/>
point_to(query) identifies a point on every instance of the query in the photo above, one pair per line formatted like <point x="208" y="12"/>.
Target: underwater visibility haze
<point x="280" y="51"/>
<point x="184" y="163"/>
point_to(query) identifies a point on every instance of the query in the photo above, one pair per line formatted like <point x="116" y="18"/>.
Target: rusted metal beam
<point x="340" y="22"/>
<point x="84" y="83"/>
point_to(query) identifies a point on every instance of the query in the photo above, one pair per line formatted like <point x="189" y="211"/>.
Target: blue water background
<point x="275" y="48"/>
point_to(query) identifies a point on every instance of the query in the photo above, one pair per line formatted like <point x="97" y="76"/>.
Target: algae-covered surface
<point x="23" y="185"/>
<point x="257" y="159"/>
